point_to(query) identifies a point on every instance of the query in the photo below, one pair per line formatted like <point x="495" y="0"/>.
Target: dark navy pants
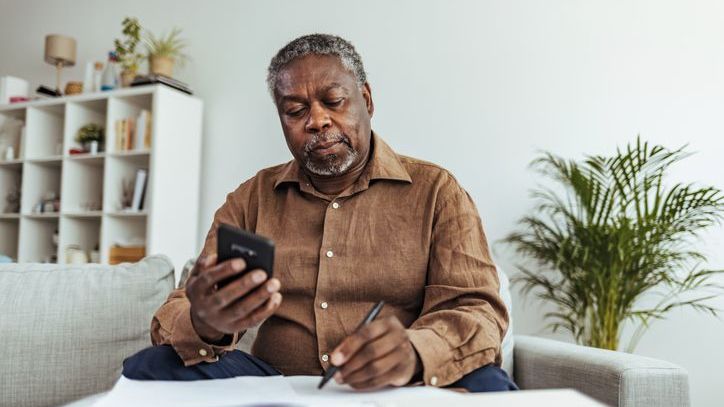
<point x="162" y="363"/>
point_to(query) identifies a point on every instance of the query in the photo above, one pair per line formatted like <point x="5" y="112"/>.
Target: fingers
<point x="210" y="260"/>
<point x="246" y="313"/>
<point x="353" y="343"/>
<point x="215" y="274"/>
<point x="206" y="278"/>
<point x="201" y="263"/>
<point x="245" y="285"/>
<point x="233" y="307"/>
<point x="372" y="369"/>
<point x="375" y="357"/>
<point x="251" y="296"/>
<point x="260" y="313"/>
<point x="393" y="377"/>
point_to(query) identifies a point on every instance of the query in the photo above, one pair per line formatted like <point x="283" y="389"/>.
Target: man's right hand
<point x="219" y="312"/>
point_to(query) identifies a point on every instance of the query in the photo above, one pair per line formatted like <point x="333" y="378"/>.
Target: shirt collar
<point x="384" y="164"/>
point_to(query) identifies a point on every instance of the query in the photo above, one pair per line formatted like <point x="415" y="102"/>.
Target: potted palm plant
<point x="129" y="58"/>
<point x="165" y="52"/>
<point x="611" y="231"/>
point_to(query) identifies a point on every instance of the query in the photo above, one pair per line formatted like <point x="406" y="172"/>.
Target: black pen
<point x="369" y="318"/>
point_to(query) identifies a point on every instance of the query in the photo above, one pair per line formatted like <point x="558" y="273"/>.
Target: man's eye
<point x="295" y="112"/>
<point x="334" y="102"/>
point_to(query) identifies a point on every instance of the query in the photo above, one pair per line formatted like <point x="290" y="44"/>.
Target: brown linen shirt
<point x="405" y="232"/>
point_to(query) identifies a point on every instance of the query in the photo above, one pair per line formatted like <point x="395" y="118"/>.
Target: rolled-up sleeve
<point x="171" y="325"/>
<point x="463" y="318"/>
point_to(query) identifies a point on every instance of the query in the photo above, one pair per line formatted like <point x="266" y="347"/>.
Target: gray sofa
<point x="66" y="329"/>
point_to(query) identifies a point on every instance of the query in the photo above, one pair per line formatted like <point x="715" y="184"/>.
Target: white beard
<point x="332" y="168"/>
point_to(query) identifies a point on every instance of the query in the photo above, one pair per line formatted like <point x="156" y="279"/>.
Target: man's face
<point x="325" y="116"/>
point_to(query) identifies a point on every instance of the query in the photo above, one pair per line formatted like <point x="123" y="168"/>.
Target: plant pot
<point x="127" y="77"/>
<point x="160" y="65"/>
<point x="92" y="147"/>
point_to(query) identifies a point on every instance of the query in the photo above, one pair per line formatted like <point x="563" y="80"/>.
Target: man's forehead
<point x="324" y="72"/>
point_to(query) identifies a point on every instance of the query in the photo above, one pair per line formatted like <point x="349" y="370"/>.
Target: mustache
<point x="325" y="138"/>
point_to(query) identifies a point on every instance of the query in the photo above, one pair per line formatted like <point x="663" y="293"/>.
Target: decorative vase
<point x="127" y="77"/>
<point x="92" y="147"/>
<point x="161" y="65"/>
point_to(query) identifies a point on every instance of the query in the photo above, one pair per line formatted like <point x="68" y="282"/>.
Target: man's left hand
<point x="377" y="355"/>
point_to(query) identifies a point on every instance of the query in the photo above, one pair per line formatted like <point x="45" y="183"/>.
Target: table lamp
<point x="59" y="51"/>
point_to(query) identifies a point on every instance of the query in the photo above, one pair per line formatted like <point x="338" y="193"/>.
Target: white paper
<point x="306" y="388"/>
<point x="272" y="391"/>
<point x="237" y="391"/>
<point x="301" y="391"/>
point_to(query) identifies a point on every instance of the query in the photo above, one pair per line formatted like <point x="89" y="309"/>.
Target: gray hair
<point x="319" y="44"/>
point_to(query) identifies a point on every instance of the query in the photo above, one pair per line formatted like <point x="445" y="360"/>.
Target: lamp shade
<point x="59" y="49"/>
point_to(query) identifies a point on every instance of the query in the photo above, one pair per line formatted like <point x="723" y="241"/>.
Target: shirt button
<point x="325" y="357"/>
<point x="329" y="253"/>
<point x="324" y="305"/>
<point x="433" y="380"/>
<point x="203" y="352"/>
<point x="335" y="205"/>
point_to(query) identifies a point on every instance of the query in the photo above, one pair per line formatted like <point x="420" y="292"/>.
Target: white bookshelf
<point x="90" y="185"/>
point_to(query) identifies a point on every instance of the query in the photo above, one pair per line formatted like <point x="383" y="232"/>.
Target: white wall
<point x="476" y="86"/>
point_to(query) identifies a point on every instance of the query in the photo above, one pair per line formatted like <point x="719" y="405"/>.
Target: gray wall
<point x="476" y="86"/>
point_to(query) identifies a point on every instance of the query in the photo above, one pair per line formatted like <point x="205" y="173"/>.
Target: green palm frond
<point x="609" y="231"/>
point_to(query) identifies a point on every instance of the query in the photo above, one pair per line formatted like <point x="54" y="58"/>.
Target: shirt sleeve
<point x="171" y="325"/>
<point x="463" y="319"/>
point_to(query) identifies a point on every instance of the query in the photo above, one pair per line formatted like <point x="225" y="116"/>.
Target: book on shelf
<point x="124" y="133"/>
<point x="134" y="133"/>
<point x="139" y="190"/>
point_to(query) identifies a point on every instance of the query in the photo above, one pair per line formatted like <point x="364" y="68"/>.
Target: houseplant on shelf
<point x="616" y="233"/>
<point x="165" y="51"/>
<point x="91" y="137"/>
<point x="129" y="58"/>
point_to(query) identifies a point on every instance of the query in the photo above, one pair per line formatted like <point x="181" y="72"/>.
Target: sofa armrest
<point x="615" y="378"/>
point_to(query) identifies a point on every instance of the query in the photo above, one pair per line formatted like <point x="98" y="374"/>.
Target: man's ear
<point x="367" y="95"/>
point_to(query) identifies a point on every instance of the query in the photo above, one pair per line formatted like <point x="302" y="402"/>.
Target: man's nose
<point x="318" y="119"/>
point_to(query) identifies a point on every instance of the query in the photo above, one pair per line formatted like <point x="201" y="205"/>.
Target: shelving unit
<point x="90" y="186"/>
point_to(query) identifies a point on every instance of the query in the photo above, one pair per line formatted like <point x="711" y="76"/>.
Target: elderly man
<point x="354" y="223"/>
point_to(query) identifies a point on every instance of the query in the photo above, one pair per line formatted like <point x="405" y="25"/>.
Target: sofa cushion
<point x="508" y="340"/>
<point x="66" y="329"/>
